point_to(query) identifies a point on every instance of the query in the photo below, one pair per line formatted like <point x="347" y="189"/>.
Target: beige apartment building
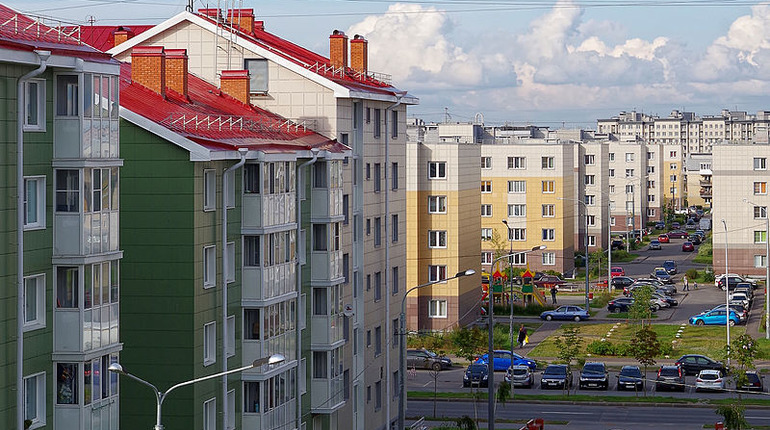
<point x="698" y="177"/>
<point x="740" y="177"/>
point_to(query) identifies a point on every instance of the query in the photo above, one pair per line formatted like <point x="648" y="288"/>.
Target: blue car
<point x="567" y="312"/>
<point x="502" y="360"/>
<point x="714" y="317"/>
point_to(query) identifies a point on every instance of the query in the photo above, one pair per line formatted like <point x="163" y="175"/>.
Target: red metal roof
<point x="101" y="36"/>
<point x="218" y="121"/>
<point x="22" y="32"/>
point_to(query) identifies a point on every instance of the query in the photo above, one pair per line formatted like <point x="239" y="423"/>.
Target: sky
<point x="555" y="63"/>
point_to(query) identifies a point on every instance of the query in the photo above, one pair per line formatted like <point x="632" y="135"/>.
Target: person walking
<point x="694" y="285"/>
<point x="553" y="294"/>
<point x="686" y="284"/>
<point x="522" y="336"/>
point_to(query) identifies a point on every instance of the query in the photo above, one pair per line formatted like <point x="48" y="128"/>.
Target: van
<point x="705" y="224"/>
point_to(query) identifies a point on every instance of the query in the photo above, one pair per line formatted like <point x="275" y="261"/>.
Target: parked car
<point x="741" y="298"/>
<point x="566" y="312"/>
<point x="675" y="225"/>
<point x="630" y="378"/>
<point x="677" y="234"/>
<point x="732" y="281"/>
<point x="670" y="266"/>
<point x="696" y="239"/>
<point x="717" y="317"/>
<point x="660" y="225"/>
<point x="742" y="311"/>
<point x="745" y="289"/>
<point x="754" y="383"/>
<point x="670" y="301"/>
<point x="617" y="271"/>
<point x="661" y="274"/>
<point x="688" y="246"/>
<point x="477" y="374"/>
<point x="705" y="224"/>
<point x="621" y="304"/>
<point x="556" y="376"/>
<point x="709" y="380"/>
<point x="520" y="376"/>
<point x="657" y="303"/>
<point x="655" y="245"/>
<point x="502" y="360"/>
<point x="548" y="281"/>
<point x="594" y="375"/>
<point x="617" y="244"/>
<point x="620" y="282"/>
<point x="701" y="233"/>
<point x="670" y="378"/>
<point x="663" y="238"/>
<point x="424" y="359"/>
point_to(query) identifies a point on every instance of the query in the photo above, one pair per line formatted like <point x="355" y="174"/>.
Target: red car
<point x="663" y="238"/>
<point x="617" y="271"/>
<point x="688" y="247"/>
<point x="548" y="281"/>
<point x="677" y="234"/>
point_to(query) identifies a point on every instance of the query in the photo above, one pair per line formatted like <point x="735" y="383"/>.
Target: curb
<point x="596" y="403"/>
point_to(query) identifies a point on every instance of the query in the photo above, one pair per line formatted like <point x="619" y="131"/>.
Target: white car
<point x="741" y="298"/>
<point x="734" y="279"/>
<point x="709" y="380"/>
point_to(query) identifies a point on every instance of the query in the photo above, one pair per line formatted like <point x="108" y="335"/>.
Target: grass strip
<point x="483" y="420"/>
<point x="426" y="395"/>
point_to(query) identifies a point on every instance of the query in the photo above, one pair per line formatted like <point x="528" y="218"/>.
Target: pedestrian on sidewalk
<point x="694" y="285"/>
<point x="522" y="336"/>
<point x="554" y="290"/>
<point x="686" y="284"/>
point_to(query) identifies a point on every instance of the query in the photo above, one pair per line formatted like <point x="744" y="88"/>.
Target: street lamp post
<point x="585" y="241"/>
<point x="402" y="343"/>
<point x="767" y="271"/>
<point x="727" y="297"/>
<point x="609" y="246"/>
<point x="160" y="396"/>
<point x="510" y="282"/>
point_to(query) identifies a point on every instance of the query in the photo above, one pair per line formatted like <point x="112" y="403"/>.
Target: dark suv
<point x="617" y="244"/>
<point x="476" y="374"/>
<point x="556" y="376"/>
<point x="594" y="375"/>
<point x="670" y="378"/>
<point x="424" y="359"/>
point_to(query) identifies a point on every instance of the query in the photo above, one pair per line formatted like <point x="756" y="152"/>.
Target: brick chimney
<point x="120" y="35"/>
<point x="359" y="54"/>
<point x="338" y="49"/>
<point x="176" y="70"/>
<point x="148" y="67"/>
<point x="242" y="18"/>
<point x="235" y="83"/>
<point x="259" y="25"/>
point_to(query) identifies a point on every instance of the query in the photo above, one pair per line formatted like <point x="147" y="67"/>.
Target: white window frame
<point x="437" y="309"/>
<point x="611" y="156"/>
<point x="38" y="420"/>
<point x="591" y="220"/>
<point x="517" y="187"/>
<point x="436" y="273"/>
<point x="39" y="187"/>
<point x="612" y="221"/>
<point x="629" y="173"/>
<point x="760" y="163"/>
<point x="517" y="210"/>
<point x="548" y="210"/>
<point x="517" y="234"/>
<point x="760" y="236"/>
<point x="760" y="212"/>
<point x="440" y="203"/>
<point x="650" y="212"/>
<point x="39" y="302"/>
<point x="230" y="275"/>
<point x="440" y="170"/>
<point x="611" y="189"/>
<point x="209" y="190"/>
<point x="517" y="163"/>
<point x="611" y="173"/>
<point x="760" y="188"/>
<point x="41" y="105"/>
<point x="548" y="187"/>
<point x="760" y="261"/>
<point x="436" y="237"/>
<point x="589" y="159"/>
<point x="590" y="200"/>
<point x="549" y="259"/>
<point x="591" y="240"/>
<point x="486" y="162"/>
<point x="209" y="343"/>
<point x="231" y="409"/>
<point x="210" y="414"/>
<point x="629" y="157"/>
<point x="231" y="336"/>
<point x="487" y="257"/>
<point x="230" y="194"/>
<point x="547" y="163"/>
<point x="209" y="266"/>
<point x="486" y="210"/>
<point x="486" y="234"/>
<point x="520" y="259"/>
<point x="549" y="235"/>
<point x="486" y="187"/>
<point x="590" y="180"/>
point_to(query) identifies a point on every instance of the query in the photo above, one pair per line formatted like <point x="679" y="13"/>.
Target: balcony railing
<point x="264" y="210"/>
<point x="263" y="283"/>
<point x="326" y="330"/>
<point x="326" y="395"/>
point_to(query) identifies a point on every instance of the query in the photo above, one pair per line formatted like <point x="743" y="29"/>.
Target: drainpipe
<point x="231" y="170"/>
<point x="300" y="183"/>
<point x="43" y="56"/>
<point x="388" y="376"/>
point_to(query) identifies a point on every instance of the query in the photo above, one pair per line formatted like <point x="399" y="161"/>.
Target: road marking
<point x="570" y="413"/>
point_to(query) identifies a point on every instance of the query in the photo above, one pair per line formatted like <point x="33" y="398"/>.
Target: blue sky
<point x="521" y="61"/>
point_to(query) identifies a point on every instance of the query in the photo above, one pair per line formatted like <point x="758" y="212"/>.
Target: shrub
<point x="708" y="276"/>
<point x="691" y="274"/>
<point x="601" y="348"/>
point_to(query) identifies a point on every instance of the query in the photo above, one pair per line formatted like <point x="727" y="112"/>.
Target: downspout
<point x="388" y="383"/>
<point x="43" y="56"/>
<point x="231" y="170"/>
<point x="300" y="183"/>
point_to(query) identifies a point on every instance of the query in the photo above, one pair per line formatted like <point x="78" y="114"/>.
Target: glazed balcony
<point x="272" y="419"/>
<point x="327" y="267"/>
<point x="326" y="331"/>
<point x="326" y="204"/>
<point x="78" y="234"/>
<point x="264" y="210"/>
<point x="263" y="283"/>
<point x="327" y="395"/>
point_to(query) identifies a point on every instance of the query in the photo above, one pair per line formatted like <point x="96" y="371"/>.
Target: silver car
<point x="711" y="380"/>
<point x="520" y="376"/>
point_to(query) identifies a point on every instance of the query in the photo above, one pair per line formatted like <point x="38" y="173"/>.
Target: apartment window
<point x="760" y="236"/>
<point x="547" y="162"/>
<point x="377" y="175"/>
<point x="611" y="156"/>
<point x="760" y="261"/>
<point x="629" y="206"/>
<point x="394" y="175"/>
<point x="346" y="267"/>
<point x="673" y="178"/>
<point x="34" y="202"/>
<point x="672" y="166"/>
<point x="368" y="172"/>
<point x="34" y="105"/>
<point x="394" y="124"/>
<point x="487" y="257"/>
<point x="67" y="281"/>
<point x="251" y="250"/>
<point x="650" y="169"/>
<point x="210" y="414"/>
<point x="231" y="410"/>
<point x="520" y="259"/>
<point x="209" y="190"/>
<point x="209" y="343"/>
<point x="549" y="259"/>
<point x="320" y="175"/>
<point x="346" y="208"/>
<point x="591" y="240"/>
<point x="34" y="302"/>
<point x="320" y="302"/>
<point x="650" y="155"/>
<point x="394" y="227"/>
<point x="437" y="309"/>
<point x="67" y="95"/>
<point x="589" y="159"/>
<point x="517" y="162"/>
<point x="34" y="400"/>
<point x="486" y="210"/>
<point x="517" y="234"/>
<point x="377" y="231"/>
<point x="319" y="362"/>
<point x="590" y="180"/>
<point x="231" y="335"/>
<point x="672" y="154"/>
<point x="629" y="189"/>
<point x="377" y="123"/>
<point x="760" y="163"/>
<point x="368" y="115"/>
<point x="651" y="198"/>
<point x="517" y="187"/>
<point x="611" y="189"/>
<point x="650" y="185"/>
<point x="549" y="234"/>
<point x="258" y="75"/>
<point x="229" y="195"/>
<point x="368" y="338"/>
<point x="209" y="266"/>
<point x="437" y="239"/>
<point x="760" y="212"/>
<point x="611" y="173"/>
<point x="486" y="162"/>
<point x="517" y="210"/>
<point x="321" y="238"/>
<point x="549" y="187"/>
<point x="230" y="274"/>
<point x="251" y="178"/>
<point x="437" y="170"/>
<point x="377" y="341"/>
<point x="549" y="211"/>
<point x="377" y="286"/>
<point x="629" y="157"/>
<point x="486" y="186"/>
<point x="612" y="221"/>
<point x="395" y="279"/>
<point x="378" y="395"/>
<point x="650" y="212"/>
<point x="437" y="204"/>
<point x="67" y="190"/>
<point x="760" y="187"/>
<point x="591" y="220"/>
<point x="629" y="173"/>
<point x="67" y="384"/>
<point x="590" y="200"/>
<point x="368" y="226"/>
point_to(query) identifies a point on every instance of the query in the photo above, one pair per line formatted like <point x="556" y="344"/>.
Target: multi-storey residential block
<point x="347" y="377"/>
<point x="698" y="179"/>
<point x="59" y="330"/>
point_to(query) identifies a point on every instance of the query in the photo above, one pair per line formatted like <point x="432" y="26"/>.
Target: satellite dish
<point x="347" y="310"/>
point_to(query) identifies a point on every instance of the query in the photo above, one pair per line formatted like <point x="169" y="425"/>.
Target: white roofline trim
<point x="59" y="61"/>
<point x="197" y="152"/>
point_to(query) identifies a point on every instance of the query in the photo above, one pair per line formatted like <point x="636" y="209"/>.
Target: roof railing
<point x="341" y="72"/>
<point x="201" y="122"/>
<point x="42" y="28"/>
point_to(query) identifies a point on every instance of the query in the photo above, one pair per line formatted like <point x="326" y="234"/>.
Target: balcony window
<point x="67" y="384"/>
<point x="251" y="324"/>
<point x="517" y="162"/>
<point x="320" y="237"/>
<point x="67" y="95"/>
<point x="67" y="190"/>
<point x="320" y="367"/>
<point x="437" y="309"/>
<point x="517" y="187"/>
<point x="34" y="400"/>
<point x="517" y="234"/>
<point x="34" y="302"/>
<point x="516" y="211"/>
<point x="437" y="170"/>
<point x="34" y="202"/>
<point x="67" y="286"/>
<point x="251" y="247"/>
<point x="251" y="178"/>
<point x="34" y="105"/>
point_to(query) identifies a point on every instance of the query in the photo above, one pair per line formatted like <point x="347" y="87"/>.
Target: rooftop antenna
<point x="190" y="5"/>
<point x="447" y="117"/>
<point x="91" y="19"/>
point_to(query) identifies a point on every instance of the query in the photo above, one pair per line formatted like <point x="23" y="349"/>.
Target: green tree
<point x="734" y="416"/>
<point x="503" y="392"/>
<point x="640" y="311"/>
<point x="467" y="342"/>
<point x="597" y="261"/>
<point x="466" y="423"/>
<point x="569" y="344"/>
<point x="743" y="352"/>
<point x="645" y="346"/>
